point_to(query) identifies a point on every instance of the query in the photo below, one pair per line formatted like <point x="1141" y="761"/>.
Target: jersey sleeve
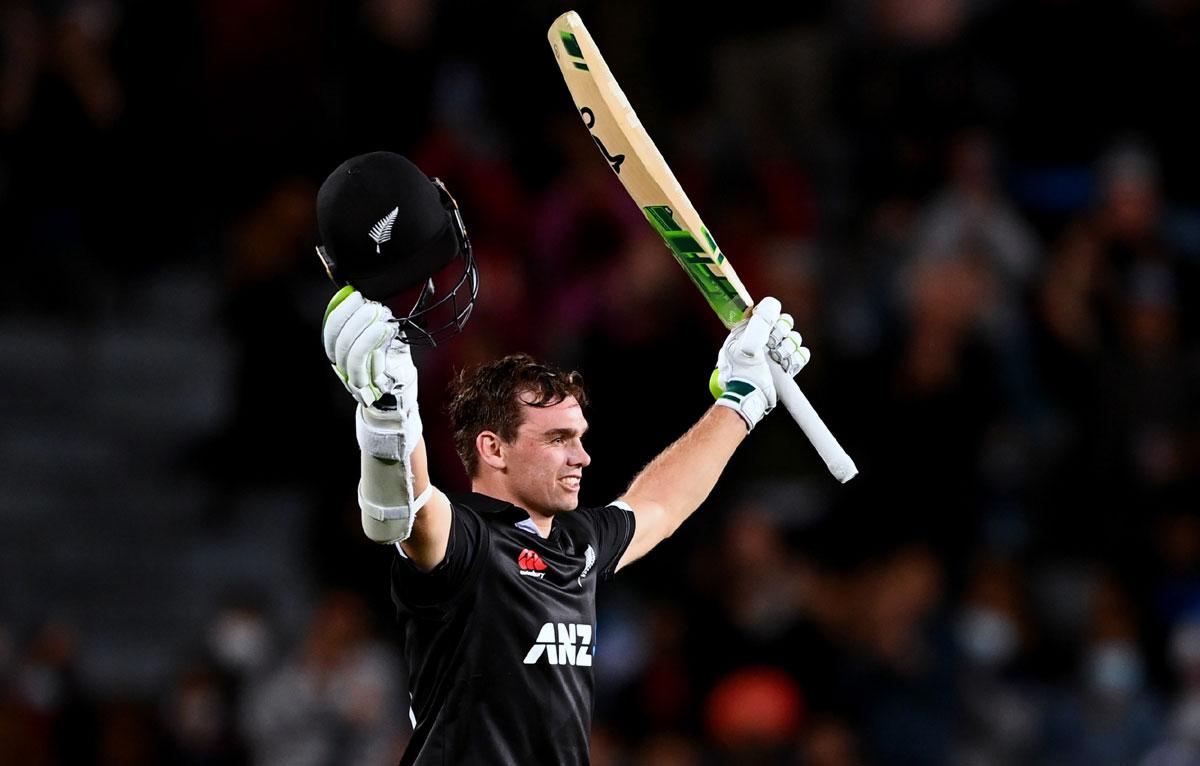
<point x="613" y="527"/>
<point x="438" y="589"/>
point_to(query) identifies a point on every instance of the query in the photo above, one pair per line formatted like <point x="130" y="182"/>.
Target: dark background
<point x="984" y="215"/>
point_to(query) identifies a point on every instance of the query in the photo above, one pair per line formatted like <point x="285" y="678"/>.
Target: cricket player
<point x="496" y="588"/>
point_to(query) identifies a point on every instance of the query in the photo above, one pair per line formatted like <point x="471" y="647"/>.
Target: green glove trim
<point x="737" y="390"/>
<point x="714" y="386"/>
<point x="338" y="297"/>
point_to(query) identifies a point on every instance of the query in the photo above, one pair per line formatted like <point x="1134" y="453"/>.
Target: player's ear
<point x="490" y="448"/>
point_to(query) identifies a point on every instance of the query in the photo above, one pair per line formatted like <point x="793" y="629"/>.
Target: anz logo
<point x="562" y="644"/>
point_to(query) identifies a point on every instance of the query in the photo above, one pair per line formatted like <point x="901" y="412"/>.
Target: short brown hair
<point x="488" y="398"/>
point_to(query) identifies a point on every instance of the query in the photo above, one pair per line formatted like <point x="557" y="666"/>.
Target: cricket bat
<point x="625" y="145"/>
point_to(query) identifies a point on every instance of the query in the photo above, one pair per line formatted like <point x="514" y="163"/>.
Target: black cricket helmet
<point x="394" y="234"/>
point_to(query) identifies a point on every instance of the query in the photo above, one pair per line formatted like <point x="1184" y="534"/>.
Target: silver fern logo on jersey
<point x="589" y="559"/>
<point x="382" y="230"/>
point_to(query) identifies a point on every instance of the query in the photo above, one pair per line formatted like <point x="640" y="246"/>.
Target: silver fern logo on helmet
<point x="382" y="230"/>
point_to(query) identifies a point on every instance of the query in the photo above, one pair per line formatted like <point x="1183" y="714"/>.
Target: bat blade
<point x="633" y="157"/>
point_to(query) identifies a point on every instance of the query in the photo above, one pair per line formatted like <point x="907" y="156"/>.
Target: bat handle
<point x="836" y="459"/>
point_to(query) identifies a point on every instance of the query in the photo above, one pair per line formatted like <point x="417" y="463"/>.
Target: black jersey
<point x="499" y="638"/>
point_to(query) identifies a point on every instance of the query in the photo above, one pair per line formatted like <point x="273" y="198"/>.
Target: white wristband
<point x="393" y="441"/>
<point x="403" y="513"/>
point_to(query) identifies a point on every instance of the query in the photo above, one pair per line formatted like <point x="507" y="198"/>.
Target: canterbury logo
<point x="382" y="231"/>
<point x="531" y="564"/>
<point x="589" y="560"/>
<point x="570" y="646"/>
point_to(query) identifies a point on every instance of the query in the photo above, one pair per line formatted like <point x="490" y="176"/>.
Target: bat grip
<point x="836" y="459"/>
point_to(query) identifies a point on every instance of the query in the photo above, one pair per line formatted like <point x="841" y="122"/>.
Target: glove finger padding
<point x="743" y="380"/>
<point x="400" y="372"/>
<point x="381" y="376"/>
<point x="758" y="328"/>
<point x="364" y="360"/>
<point x="341" y="308"/>
<point x="370" y="318"/>
<point x="783" y="325"/>
<point x="789" y="353"/>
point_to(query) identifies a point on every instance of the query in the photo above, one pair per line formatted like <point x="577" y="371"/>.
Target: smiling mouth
<point x="571" y="482"/>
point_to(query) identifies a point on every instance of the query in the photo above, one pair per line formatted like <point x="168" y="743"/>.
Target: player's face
<point x="546" y="459"/>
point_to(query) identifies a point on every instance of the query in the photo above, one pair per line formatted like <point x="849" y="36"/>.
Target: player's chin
<point x="566" y="500"/>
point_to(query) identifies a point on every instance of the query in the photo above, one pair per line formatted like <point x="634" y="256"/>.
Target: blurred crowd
<point x="984" y="215"/>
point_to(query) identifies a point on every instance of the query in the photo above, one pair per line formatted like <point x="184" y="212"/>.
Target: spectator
<point x="335" y="700"/>
<point x="1111" y="716"/>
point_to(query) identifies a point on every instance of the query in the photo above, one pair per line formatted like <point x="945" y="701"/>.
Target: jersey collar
<point x="500" y="509"/>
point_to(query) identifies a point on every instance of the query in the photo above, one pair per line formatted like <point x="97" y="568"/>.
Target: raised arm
<point x="675" y="483"/>
<point x="398" y="502"/>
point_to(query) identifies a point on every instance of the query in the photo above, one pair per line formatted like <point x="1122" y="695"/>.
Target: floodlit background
<point x="984" y="215"/>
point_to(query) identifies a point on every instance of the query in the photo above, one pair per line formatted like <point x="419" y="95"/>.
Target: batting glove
<point x="742" y="380"/>
<point x="364" y="345"/>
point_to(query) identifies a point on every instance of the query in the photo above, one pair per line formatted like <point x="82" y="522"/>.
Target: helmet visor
<point x="437" y="309"/>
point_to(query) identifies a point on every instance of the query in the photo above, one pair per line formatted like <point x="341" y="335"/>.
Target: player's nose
<point x="581" y="458"/>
